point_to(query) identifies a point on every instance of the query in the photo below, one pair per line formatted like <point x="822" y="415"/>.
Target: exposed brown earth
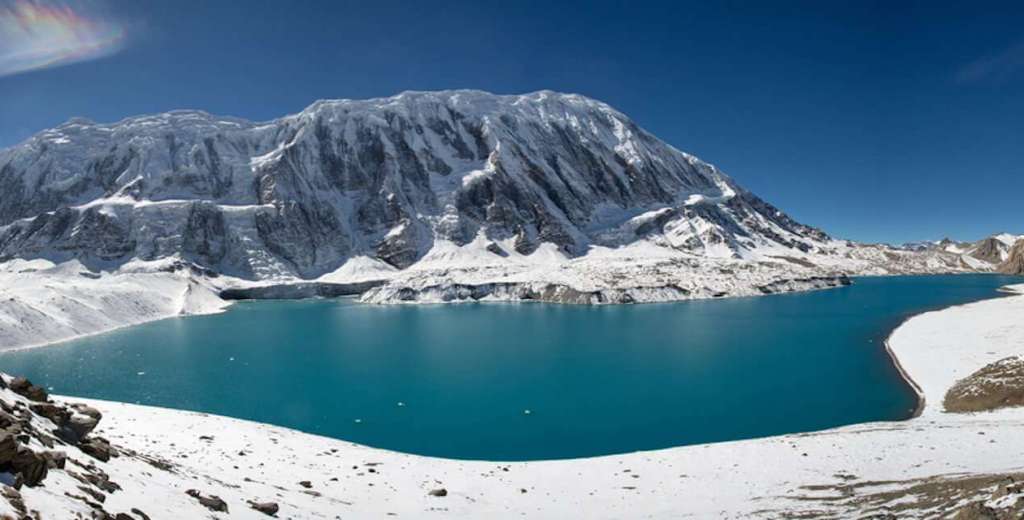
<point x="996" y="385"/>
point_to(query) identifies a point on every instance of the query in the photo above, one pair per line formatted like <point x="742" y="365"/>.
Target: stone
<point x="55" y="459"/>
<point x="56" y="414"/>
<point x="97" y="448"/>
<point x="438" y="492"/>
<point x="211" y="502"/>
<point x="25" y="388"/>
<point x="85" y="409"/>
<point x="82" y="424"/>
<point x="267" y="508"/>
<point x="8" y="448"/>
<point x="31" y="466"/>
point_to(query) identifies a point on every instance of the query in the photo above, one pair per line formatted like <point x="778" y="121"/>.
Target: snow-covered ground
<point x="41" y="302"/>
<point x="925" y="467"/>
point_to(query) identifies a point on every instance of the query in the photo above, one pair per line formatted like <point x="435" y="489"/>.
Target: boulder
<point x="85" y="409"/>
<point x="267" y="508"/>
<point x="82" y="424"/>
<point x="31" y="466"/>
<point x="25" y="388"/>
<point x="97" y="448"/>
<point x="8" y="448"/>
<point x="211" y="502"/>
<point x="55" y="459"/>
<point x="56" y="414"/>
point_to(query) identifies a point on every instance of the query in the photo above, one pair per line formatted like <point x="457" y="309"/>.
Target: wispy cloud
<point x="38" y="34"/>
<point x="995" y="67"/>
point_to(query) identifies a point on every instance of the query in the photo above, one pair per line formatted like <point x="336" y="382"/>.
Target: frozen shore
<point x="42" y="302"/>
<point x="929" y="466"/>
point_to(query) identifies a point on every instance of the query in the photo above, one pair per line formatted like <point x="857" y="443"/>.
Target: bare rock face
<point x="989" y="250"/>
<point x="1014" y="263"/>
<point x="384" y="178"/>
<point x="997" y="385"/>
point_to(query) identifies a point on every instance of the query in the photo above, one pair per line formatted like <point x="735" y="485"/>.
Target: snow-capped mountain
<point x="991" y="251"/>
<point x="387" y="179"/>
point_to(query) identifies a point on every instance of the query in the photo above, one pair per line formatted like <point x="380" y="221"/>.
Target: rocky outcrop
<point x="299" y="291"/>
<point x="20" y="434"/>
<point x="39" y="436"/>
<point x="562" y="293"/>
<point x="989" y="250"/>
<point x="997" y="385"/>
<point x="1014" y="263"/>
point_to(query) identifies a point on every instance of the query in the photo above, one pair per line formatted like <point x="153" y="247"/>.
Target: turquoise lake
<point x="596" y="380"/>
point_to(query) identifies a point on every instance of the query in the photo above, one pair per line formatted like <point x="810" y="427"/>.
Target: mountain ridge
<point x="633" y="170"/>
<point x="441" y="189"/>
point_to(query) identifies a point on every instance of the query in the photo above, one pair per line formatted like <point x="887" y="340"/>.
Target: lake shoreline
<point x="788" y="475"/>
<point x="261" y="314"/>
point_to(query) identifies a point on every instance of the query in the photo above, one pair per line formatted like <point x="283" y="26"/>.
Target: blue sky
<point x="877" y="121"/>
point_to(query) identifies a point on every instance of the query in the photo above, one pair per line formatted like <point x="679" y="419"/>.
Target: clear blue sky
<point x="877" y="121"/>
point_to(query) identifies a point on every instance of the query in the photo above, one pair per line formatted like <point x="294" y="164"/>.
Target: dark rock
<point x="496" y="249"/>
<point x="306" y="484"/>
<point x="101" y="480"/>
<point x="211" y="502"/>
<point x="56" y="414"/>
<point x="81" y="424"/>
<point x="8" y="448"/>
<point x="13" y="498"/>
<point x="294" y="291"/>
<point x="96" y="495"/>
<point x="438" y="492"/>
<point x="140" y="514"/>
<point x="97" y="448"/>
<point x="85" y="409"/>
<point x="25" y="388"/>
<point x="55" y="459"/>
<point x="267" y="508"/>
<point x="31" y="466"/>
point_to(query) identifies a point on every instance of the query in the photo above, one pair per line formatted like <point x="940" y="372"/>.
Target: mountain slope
<point x="432" y="189"/>
<point x="383" y="178"/>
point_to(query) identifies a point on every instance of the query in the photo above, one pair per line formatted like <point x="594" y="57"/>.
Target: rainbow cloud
<point x="36" y="35"/>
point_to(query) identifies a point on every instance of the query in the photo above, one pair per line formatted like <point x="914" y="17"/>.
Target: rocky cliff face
<point x="386" y="178"/>
<point x="1014" y="263"/>
<point x="990" y="250"/>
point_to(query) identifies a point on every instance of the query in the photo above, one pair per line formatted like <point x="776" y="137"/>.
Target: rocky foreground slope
<point x="448" y="195"/>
